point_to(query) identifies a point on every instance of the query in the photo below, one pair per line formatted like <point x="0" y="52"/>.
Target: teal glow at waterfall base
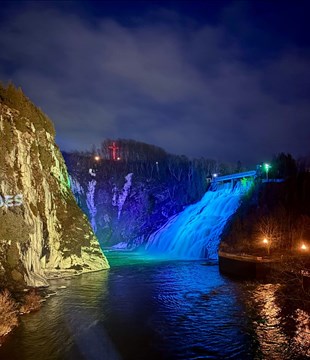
<point x="131" y="258"/>
<point x="195" y="233"/>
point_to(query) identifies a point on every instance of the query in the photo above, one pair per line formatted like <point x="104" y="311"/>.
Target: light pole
<point x="96" y="162"/>
<point x="267" y="243"/>
<point x="267" y="167"/>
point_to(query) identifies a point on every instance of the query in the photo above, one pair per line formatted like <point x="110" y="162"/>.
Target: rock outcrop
<point x="42" y="230"/>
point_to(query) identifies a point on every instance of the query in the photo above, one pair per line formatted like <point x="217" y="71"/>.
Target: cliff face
<point x="122" y="213"/>
<point x="43" y="232"/>
<point x="126" y="201"/>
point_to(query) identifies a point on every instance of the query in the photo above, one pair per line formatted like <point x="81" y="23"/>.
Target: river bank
<point x="294" y="268"/>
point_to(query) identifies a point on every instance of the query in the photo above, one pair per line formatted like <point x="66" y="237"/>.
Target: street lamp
<point x="267" y="167"/>
<point x="97" y="158"/>
<point x="303" y="247"/>
<point x="266" y="242"/>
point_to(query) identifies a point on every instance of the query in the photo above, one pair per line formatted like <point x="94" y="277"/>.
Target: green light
<point x="267" y="167"/>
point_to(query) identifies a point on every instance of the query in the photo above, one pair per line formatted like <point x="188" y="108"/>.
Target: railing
<point x="242" y="175"/>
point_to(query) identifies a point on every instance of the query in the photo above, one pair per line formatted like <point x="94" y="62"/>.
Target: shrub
<point x="32" y="302"/>
<point x="8" y="313"/>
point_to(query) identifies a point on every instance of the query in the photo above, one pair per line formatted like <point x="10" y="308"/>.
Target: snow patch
<point x="76" y="187"/>
<point x="90" y="201"/>
<point x="123" y="195"/>
<point x="120" y="245"/>
<point x="92" y="172"/>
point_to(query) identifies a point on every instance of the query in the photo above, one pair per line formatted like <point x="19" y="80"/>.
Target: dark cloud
<point x="191" y="90"/>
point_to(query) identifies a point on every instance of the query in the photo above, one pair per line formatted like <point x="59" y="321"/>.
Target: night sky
<point x="228" y="80"/>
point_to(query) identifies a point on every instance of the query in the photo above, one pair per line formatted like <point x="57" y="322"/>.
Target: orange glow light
<point x="304" y="247"/>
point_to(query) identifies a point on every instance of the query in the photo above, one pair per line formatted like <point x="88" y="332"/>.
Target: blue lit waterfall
<point x="195" y="232"/>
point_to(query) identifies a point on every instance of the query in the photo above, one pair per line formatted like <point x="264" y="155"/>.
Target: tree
<point x="301" y="226"/>
<point x="8" y="313"/>
<point x="238" y="167"/>
<point x="269" y="231"/>
<point x="283" y="166"/>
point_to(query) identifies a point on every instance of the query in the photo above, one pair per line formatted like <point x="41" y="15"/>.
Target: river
<point x="147" y="309"/>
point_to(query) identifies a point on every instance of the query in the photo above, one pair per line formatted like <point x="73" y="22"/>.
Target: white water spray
<point x="195" y="232"/>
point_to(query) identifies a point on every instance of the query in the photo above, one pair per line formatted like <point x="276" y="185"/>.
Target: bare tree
<point x="269" y="231"/>
<point x="301" y="225"/>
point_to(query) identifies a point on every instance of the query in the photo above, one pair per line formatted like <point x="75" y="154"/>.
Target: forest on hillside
<point x="150" y="163"/>
<point x="276" y="211"/>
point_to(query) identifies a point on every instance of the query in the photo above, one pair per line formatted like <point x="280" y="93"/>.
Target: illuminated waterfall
<point x="195" y="232"/>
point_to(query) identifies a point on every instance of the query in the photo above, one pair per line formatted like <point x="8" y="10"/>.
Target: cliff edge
<point x="42" y="230"/>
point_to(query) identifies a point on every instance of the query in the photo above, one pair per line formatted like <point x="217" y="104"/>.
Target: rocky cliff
<point x="43" y="232"/>
<point x="128" y="199"/>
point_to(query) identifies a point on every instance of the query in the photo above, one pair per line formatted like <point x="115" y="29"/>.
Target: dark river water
<point x="144" y="309"/>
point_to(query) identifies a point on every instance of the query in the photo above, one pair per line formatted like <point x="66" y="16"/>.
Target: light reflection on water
<point x="302" y="334"/>
<point x="143" y="309"/>
<point x="282" y="331"/>
<point x="269" y="333"/>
